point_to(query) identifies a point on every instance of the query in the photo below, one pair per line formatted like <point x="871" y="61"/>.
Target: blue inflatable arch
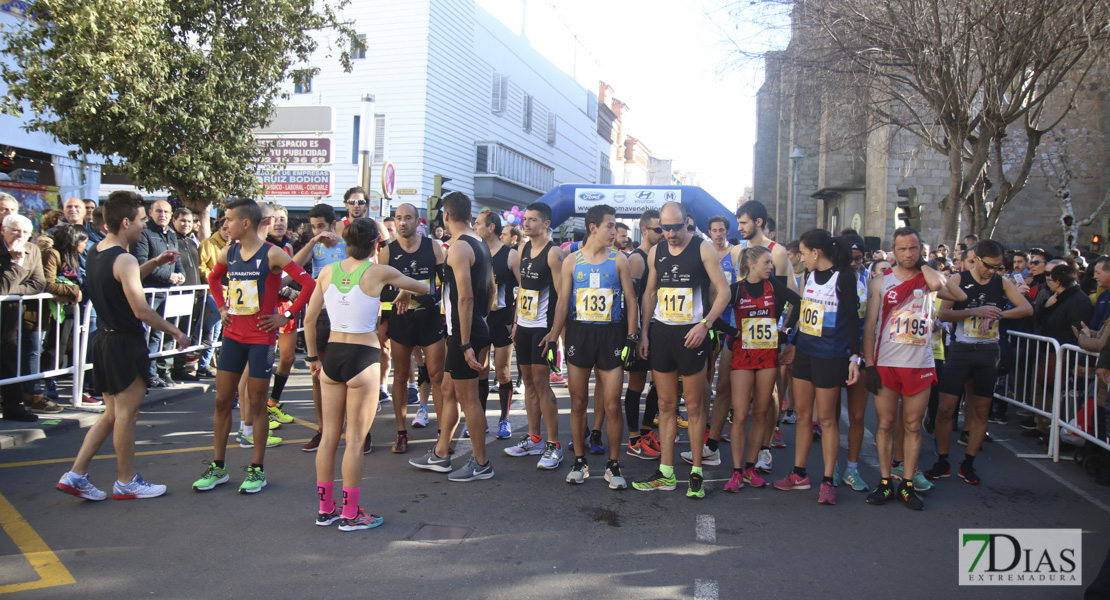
<point x="573" y="199"/>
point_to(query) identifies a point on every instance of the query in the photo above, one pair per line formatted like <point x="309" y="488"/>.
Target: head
<point x="970" y="240"/>
<point x="1102" y="271"/>
<point x="511" y="236"/>
<point x="756" y="261"/>
<point x="74" y="208"/>
<point x="942" y="250"/>
<point x="488" y="225"/>
<point x="1021" y="261"/>
<point x="267" y="219"/>
<point x="650" y="231"/>
<point x="621" y="241"/>
<point x="691" y="224"/>
<point x="356" y="200"/>
<point x="750" y="219"/>
<point x="244" y="217"/>
<point x="405" y="221"/>
<point x="439" y="232"/>
<point x="879" y="266"/>
<point x="907" y="247"/>
<point x="361" y="236"/>
<point x="1038" y="260"/>
<point x="770" y="229"/>
<point x="125" y="215"/>
<point x="456" y="211"/>
<point x="818" y="244"/>
<point x="988" y="258"/>
<point x="321" y="218"/>
<point x="536" y="220"/>
<point x="601" y="224"/>
<point x="16" y="230"/>
<point x="90" y="206"/>
<point x="857" y="248"/>
<point x="98" y="220"/>
<point x="50" y="219"/>
<point x="718" y="230"/>
<point x="672" y="218"/>
<point x="8" y="205"/>
<point x="161" y="213"/>
<point x="279" y="221"/>
<point x="1061" y="277"/>
<point x="390" y="224"/>
<point x="70" y="242"/>
<point x="183" y="221"/>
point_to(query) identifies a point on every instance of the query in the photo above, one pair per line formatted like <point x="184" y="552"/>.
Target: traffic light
<point x="1096" y="243"/>
<point x="1098" y="240"/>
<point x="909" y="211"/>
<point x="435" y="201"/>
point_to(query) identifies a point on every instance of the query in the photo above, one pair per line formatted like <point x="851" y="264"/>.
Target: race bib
<point x="759" y="333"/>
<point x="413" y="304"/>
<point x="677" y="305"/>
<point x="971" y="329"/>
<point x="529" y="304"/>
<point x="594" y="305"/>
<point x="813" y="317"/>
<point x="242" y="298"/>
<point x="909" y="327"/>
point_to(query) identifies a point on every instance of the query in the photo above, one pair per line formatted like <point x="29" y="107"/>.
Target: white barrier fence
<point x="1082" y="419"/>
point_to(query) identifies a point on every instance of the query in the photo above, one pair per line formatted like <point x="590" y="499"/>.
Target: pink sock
<point x="350" y="502"/>
<point x="324" y="489"/>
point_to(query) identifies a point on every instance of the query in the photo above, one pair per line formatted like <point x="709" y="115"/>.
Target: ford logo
<point x="592" y="196"/>
<point x="645" y="195"/>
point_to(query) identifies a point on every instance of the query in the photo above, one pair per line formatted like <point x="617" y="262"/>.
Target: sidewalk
<point x="14" y="433"/>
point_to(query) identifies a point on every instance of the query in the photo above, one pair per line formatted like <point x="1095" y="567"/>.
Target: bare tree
<point x="1062" y="172"/>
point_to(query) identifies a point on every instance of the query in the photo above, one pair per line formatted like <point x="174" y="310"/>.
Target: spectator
<point x="1021" y="263"/>
<point x="50" y="220"/>
<point x="1063" y="308"/>
<point x="1038" y="262"/>
<point x="99" y="227"/>
<point x="1100" y="299"/>
<point x="74" y="211"/>
<point x="1077" y="256"/>
<point x="942" y="251"/>
<point x="190" y="264"/>
<point x="8" y="205"/>
<point x="210" y="249"/>
<point x="64" y="274"/>
<point x="90" y="207"/>
<point x="20" y="273"/>
<point x="156" y="238"/>
<point x="970" y="240"/>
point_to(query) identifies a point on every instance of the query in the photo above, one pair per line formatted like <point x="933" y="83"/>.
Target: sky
<point x="666" y="60"/>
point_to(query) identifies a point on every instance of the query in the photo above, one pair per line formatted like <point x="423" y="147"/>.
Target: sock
<point x="632" y="408"/>
<point x="594" y="432"/>
<point x="943" y="458"/>
<point x="695" y="470"/>
<point x="242" y="425"/>
<point x="422" y="375"/>
<point x="505" y="394"/>
<point x="738" y="470"/>
<point x="483" y="391"/>
<point x="826" y="480"/>
<point x="536" y="438"/>
<point x="969" y="460"/>
<point x="248" y="431"/>
<point x="895" y="463"/>
<point x="852" y="465"/>
<point x="749" y="465"/>
<point x="633" y="439"/>
<point x="764" y="447"/>
<point x="712" y="444"/>
<point x="645" y="431"/>
<point x="385" y="388"/>
<point x="579" y="460"/>
<point x="402" y="432"/>
<point x="258" y="466"/>
<point x="412" y="385"/>
<point x="666" y="470"/>
<point x="800" y="472"/>
<point x="279" y="385"/>
<point x="651" y="407"/>
<point x="218" y="463"/>
<point x="325" y="489"/>
<point x="350" y="502"/>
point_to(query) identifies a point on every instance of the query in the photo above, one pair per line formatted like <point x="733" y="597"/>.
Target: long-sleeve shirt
<point x="154" y="241"/>
<point x="209" y="252"/>
<point x="26" y="278"/>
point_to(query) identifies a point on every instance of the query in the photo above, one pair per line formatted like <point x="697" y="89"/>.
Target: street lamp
<point x="795" y="158"/>
<point x="365" y="143"/>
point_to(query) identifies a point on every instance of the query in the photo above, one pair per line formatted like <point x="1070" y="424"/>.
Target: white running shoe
<point x="709" y="458"/>
<point x="552" y="457"/>
<point x="763" y="462"/>
<point x="421" y="419"/>
<point x="525" y="447"/>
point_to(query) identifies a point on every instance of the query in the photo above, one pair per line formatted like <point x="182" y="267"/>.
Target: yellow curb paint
<point x="51" y="570"/>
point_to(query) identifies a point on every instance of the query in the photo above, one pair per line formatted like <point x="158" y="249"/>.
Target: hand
<point x="289" y="293"/>
<point x="642" y="350"/>
<point x="472" y="360"/>
<point x="550" y="338"/>
<point x="512" y="334"/>
<point x="696" y="336"/>
<point x="1051" y="301"/>
<point x="872" y="380"/>
<point x="401" y="304"/>
<point x="168" y="257"/>
<point x="1023" y="289"/>
<point x="314" y="368"/>
<point x="628" y="352"/>
<point x="271" y="322"/>
<point x="326" y="236"/>
<point x="225" y="317"/>
<point x="786" y="357"/>
<point x="77" y="300"/>
<point x="1084" y="332"/>
<point x="181" y="339"/>
<point x="1103" y="375"/>
<point x="177" y="278"/>
<point x="987" y="312"/>
<point x="985" y="326"/>
<point x="17" y="253"/>
<point x="853" y="373"/>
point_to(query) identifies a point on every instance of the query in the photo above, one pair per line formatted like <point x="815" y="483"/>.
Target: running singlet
<point x="989" y="294"/>
<point x="755" y="317"/>
<point x="683" y="293"/>
<point x="821" y="334"/>
<point x="861" y="291"/>
<point x="252" y="293"/>
<point x="349" y="308"/>
<point x="639" y="284"/>
<point x="536" y="306"/>
<point x="479" y="280"/>
<point x="323" y="256"/>
<point x="597" y="295"/>
<point x="419" y="265"/>
<point x="730" y="277"/>
<point x="905" y="323"/>
<point x="504" y="280"/>
<point x="113" y="312"/>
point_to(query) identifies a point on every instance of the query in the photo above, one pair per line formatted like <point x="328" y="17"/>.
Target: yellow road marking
<point x="51" y="571"/>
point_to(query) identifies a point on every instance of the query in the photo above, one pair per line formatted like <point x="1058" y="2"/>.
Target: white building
<point x="457" y="94"/>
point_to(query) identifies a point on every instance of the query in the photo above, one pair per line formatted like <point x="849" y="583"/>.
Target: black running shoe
<point x="967" y="472"/>
<point x="909" y="497"/>
<point x="882" y="493"/>
<point x="940" y="470"/>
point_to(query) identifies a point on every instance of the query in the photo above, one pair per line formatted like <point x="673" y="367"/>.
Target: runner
<point x="973" y="354"/>
<point x="417" y="322"/>
<point x="468" y="280"/>
<point x="827" y="352"/>
<point x="899" y="356"/>
<point x="351" y="289"/>
<point x="118" y="352"/>
<point x="539" y="265"/>
<point x="601" y="335"/>
<point x="718" y="233"/>
<point x="857" y="392"/>
<point x="642" y="441"/>
<point x="287" y="335"/>
<point x="677" y="308"/>
<point x="502" y="306"/>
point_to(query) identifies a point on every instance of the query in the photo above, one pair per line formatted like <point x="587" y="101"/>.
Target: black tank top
<point x="641" y="283"/>
<point x="687" y="300"/>
<point x="479" y="280"/>
<point x="420" y="265"/>
<point x="503" y="277"/>
<point x="539" y="297"/>
<point x="991" y="293"/>
<point x="113" y="313"/>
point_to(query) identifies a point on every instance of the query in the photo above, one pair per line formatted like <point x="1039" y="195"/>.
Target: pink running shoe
<point x="792" y="482"/>
<point x="735" y="483"/>
<point x="828" y="494"/>
<point x="776" y="439"/>
<point x="816" y="431"/>
<point x="752" y="478"/>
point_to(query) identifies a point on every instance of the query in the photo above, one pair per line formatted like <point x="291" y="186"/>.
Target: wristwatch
<point x="288" y="315"/>
<point x="635" y="337"/>
<point x="465" y="347"/>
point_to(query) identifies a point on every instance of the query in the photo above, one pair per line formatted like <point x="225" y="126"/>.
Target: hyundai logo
<point x="645" y="195"/>
<point x="592" y="196"/>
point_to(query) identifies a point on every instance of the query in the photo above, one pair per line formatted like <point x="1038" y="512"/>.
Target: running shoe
<point x="735" y="483"/>
<point x="1028" y="424"/>
<point x="595" y="446"/>
<point x="472" y="472"/>
<point x="361" y="521"/>
<point x="519" y="387"/>
<point x="421" y="419"/>
<point x="557" y="378"/>
<point x="968" y="474"/>
<point x="136" y="488"/>
<point x="401" y="446"/>
<point x="653" y="441"/>
<point x="752" y="478"/>
<point x="909" y="497"/>
<point x="614" y="477"/>
<point x="79" y="485"/>
<point x="709" y="458"/>
<point x="696" y="487"/>
<point x="726" y="438"/>
<point x="325" y="519"/>
<point x="504" y="429"/>
<point x="964" y="437"/>
<point x="789" y="417"/>
<point x="881" y="494"/>
<point x="898" y="472"/>
<point x="552" y="457"/>
<point x="367" y="444"/>
<point x="641" y="449"/>
<point x="314" y="443"/>
<point x="853" y="478"/>
<point x="940" y="469"/>
<point x="776" y="439"/>
<point x="816" y="431"/>
<point x="827" y="494"/>
<point x="431" y="462"/>
<point x="836" y="475"/>
<point x="792" y="482"/>
<point x="920" y="483"/>
<point x="277" y="415"/>
<point x="682" y="421"/>
<point x="255" y="481"/>
<point x="414" y="395"/>
<point x="656" y="482"/>
<point x="763" y="461"/>
<point x="246" y="442"/>
<point x="466" y="430"/>
<point x="272" y="423"/>
<point x="525" y="447"/>
<point x="999" y="419"/>
<point x="383" y="396"/>
<point x="212" y="477"/>
<point x="579" y="473"/>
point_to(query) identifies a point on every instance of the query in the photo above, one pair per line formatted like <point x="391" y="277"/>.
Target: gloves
<point x="551" y="355"/>
<point x="717" y="339"/>
<point x="628" y="353"/>
<point x="871" y="379"/>
<point x="288" y="293"/>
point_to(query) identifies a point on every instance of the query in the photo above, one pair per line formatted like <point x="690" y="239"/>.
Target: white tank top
<point x="905" y="323"/>
<point x="349" y="308"/>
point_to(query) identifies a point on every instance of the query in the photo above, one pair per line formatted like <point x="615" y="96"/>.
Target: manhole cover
<point x="443" y="534"/>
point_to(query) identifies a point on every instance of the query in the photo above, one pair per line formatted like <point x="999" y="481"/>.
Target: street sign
<point x="287" y="182"/>
<point x="407" y="192"/>
<point x="389" y="180"/>
<point x="298" y="151"/>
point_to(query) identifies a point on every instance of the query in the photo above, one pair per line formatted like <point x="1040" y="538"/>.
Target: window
<point x="354" y="139"/>
<point x="552" y="120"/>
<point x="379" y="138"/>
<point x="500" y="99"/>
<point x="526" y="121"/>
<point x="606" y="171"/>
<point x="482" y="164"/>
<point x="358" y="46"/>
<point x="303" y="87"/>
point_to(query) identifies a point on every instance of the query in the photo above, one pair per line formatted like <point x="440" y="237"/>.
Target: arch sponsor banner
<point x="628" y="202"/>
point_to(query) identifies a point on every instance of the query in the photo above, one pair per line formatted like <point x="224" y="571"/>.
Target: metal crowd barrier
<point x="1082" y="419"/>
<point x="1034" y="383"/>
<point x="42" y="328"/>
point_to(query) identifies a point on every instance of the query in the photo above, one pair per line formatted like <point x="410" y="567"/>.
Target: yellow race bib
<point x="677" y="305"/>
<point x="759" y="333"/>
<point x="971" y="329"/>
<point x="908" y="327"/>
<point x="413" y="304"/>
<point x="594" y="305"/>
<point x="242" y="298"/>
<point x="529" y="304"/>
<point x="813" y="316"/>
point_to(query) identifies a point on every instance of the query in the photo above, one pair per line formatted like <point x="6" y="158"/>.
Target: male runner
<point x="287" y="335"/>
<point x="677" y="309"/>
<point x="250" y="320"/>
<point x="502" y="308"/>
<point x="539" y="265"/>
<point x="620" y="243"/>
<point x="119" y="352"/>
<point x="468" y="283"/>
<point x="718" y="234"/>
<point x="642" y="442"/>
<point x="417" y="322"/>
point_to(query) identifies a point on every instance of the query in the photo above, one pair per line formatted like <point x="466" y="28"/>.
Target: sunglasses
<point x="997" y="267"/>
<point x="1036" y="262"/>
<point x="357" y="202"/>
<point x="656" y="230"/>
<point x="675" y="227"/>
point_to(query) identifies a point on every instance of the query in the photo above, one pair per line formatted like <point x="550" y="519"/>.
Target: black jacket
<point x="1072" y="307"/>
<point x="155" y="241"/>
<point x="190" y="260"/>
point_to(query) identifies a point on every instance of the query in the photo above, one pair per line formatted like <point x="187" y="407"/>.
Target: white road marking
<point x="705" y="589"/>
<point x="706" y="530"/>
<point x="868" y="454"/>
<point x="1040" y="466"/>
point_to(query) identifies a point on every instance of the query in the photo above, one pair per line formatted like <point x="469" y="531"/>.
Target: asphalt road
<point x="528" y="534"/>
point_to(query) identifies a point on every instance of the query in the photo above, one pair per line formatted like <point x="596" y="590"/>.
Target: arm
<point x="564" y="286"/>
<point x="651" y="290"/>
<point x="126" y="271"/>
<point x="459" y="259"/>
<point x="721" y="295"/>
<point x="871" y="324"/>
<point x="934" y="281"/>
<point x="216" y="286"/>
<point x="948" y="314"/>
<point x="312" y="315"/>
<point x="391" y="276"/>
<point x="624" y="271"/>
<point x="280" y="260"/>
<point x="1021" y="307"/>
<point x="783" y="268"/>
<point x="148" y="267"/>
<point x="782" y="292"/>
<point x="952" y="291"/>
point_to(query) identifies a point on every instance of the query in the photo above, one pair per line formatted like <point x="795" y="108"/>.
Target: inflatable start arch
<point x="574" y="199"/>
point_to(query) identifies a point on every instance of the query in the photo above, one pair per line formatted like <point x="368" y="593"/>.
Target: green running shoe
<point x="920" y="483"/>
<point x="255" y="481"/>
<point x="898" y="473"/>
<point x="274" y="424"/>
<point x="697" y="487"/>
<point x="656" y="482"/>
<point x="212" y="477"/>
<point x="246" y="442"/>
<point x="276" y="414"/>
